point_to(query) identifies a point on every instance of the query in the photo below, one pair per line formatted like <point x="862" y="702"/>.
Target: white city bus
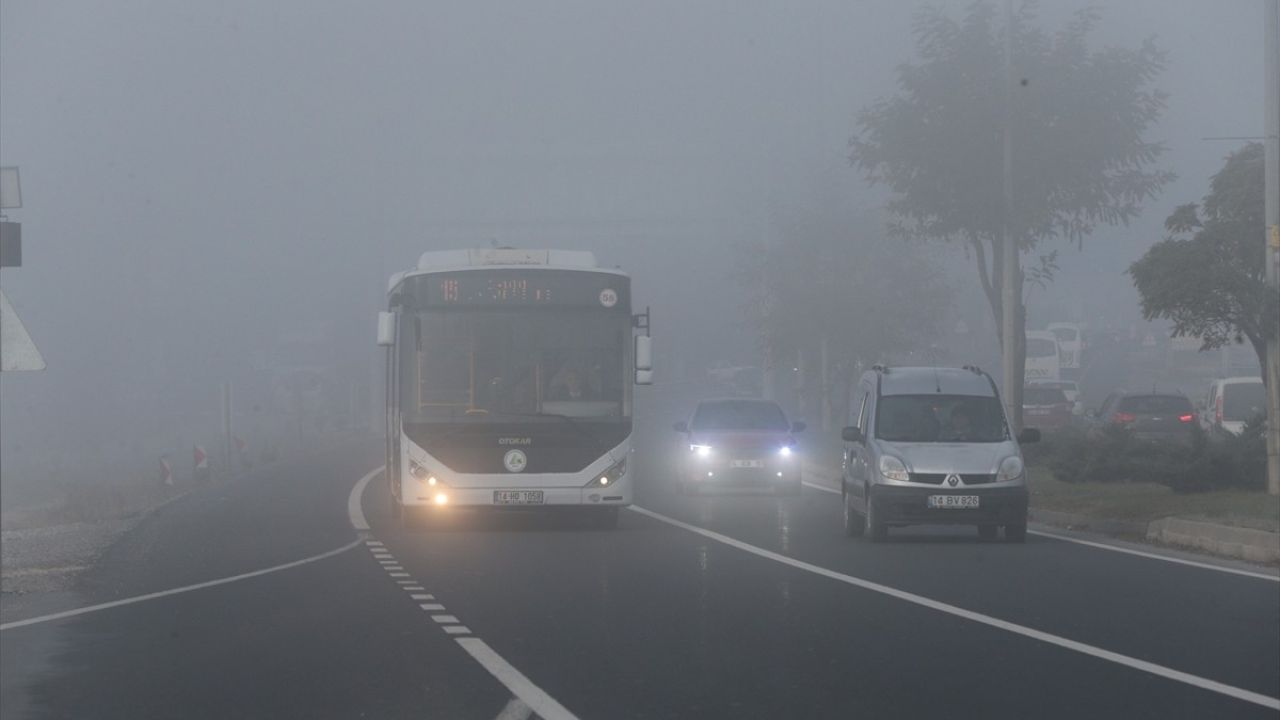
<point x="509" y="382"/>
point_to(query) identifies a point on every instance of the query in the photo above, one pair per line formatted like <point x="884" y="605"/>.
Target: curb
<point x="1076" y="521"/>
<point x="1246" y="543"/>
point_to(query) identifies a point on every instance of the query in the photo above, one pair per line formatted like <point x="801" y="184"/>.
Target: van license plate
<point x="745" y="464"/>
<point x="953" y="502"/>
<point x="517" y="497"/>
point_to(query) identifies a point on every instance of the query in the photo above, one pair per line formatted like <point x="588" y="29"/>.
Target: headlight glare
<point x="785" y="451"/>
<point x="701" y="450"/>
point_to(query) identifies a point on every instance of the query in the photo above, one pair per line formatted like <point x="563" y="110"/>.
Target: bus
<point x="1070" y="346"/>
<point x="509" y="383"/>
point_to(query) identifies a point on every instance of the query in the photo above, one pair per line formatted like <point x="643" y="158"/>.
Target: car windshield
<point x="1043" y="396"/>
<point x="739" y="415"/>
<point x="1155" y="404"/>
<point x="1243" y="401"/>
<point x="940" y="418"/>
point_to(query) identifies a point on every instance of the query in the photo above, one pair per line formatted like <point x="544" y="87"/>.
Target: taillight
<point x="1186" y="418"/>
<point x="1123" y="417"/>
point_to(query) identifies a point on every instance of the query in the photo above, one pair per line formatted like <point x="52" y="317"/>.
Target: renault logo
<point x="953" y="479"/>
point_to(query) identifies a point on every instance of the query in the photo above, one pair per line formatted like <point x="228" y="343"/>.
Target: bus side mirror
<point x="386" y="329"/>
<point x="644" y="377"/>
<point x="644" y="352"/>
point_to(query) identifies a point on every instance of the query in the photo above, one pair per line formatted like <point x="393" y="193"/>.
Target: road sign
<point x="17" y="351"/>
<point x="10" y="188"/>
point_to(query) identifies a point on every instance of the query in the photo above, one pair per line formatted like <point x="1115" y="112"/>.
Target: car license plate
<point x="953" y="502"/>
<point x="517" y="497"/>
<point x="745" y="464"/>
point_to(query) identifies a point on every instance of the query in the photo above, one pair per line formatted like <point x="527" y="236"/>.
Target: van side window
<point x="862" y="411"/>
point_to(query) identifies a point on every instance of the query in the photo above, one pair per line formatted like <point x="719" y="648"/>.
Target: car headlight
<point x="701" y="450"/>
<point x="891" y="468"/>
<point x="610" y="476"/>
<point x="1011" y="468"/>
<point x="785" y="451"/>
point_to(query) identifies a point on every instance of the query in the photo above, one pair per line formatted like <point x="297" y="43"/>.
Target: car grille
<point x="939" y="478"/>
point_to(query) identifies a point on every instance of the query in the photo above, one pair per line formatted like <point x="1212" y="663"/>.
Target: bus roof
<point x="501" y="258"/>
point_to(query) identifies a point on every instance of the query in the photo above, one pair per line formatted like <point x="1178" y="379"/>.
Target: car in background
<point x="1232" y="402"/>
<point x="1070" y="388"/>
<point x="1043" y="361"/>
<point x="1070" y="344"/>
<point x="740" y="442"/>
<point x="932" y="445"/>
<point x="1156" y="416"/>
<point x="1046" y="407"/>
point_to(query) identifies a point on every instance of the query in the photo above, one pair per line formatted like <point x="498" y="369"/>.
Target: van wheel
<point x="855" y="523"/>
<point x="1015" y="533"/>
<point x="988" y="532"/>
<point x="877" y="531"/>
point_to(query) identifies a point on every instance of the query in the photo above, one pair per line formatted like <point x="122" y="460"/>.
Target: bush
<point x="1113" y="454"/>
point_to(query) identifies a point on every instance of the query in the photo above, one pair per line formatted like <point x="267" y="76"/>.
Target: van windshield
<point x="940" y="418"/>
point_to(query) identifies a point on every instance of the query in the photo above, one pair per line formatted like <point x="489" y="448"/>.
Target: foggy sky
<point x="206" y="177"/>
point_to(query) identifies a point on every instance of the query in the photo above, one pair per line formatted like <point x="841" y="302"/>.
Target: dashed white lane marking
<point x="1142" y="665"/>
<point x="412" y="588"/>
<point x="529" y="696"/>
<point x="422" y="596"/>
<point x="519" y="685"/>
<point x="445" y="619"/>
<point x="386" y="562"/>
<point x="515" y="710"/>
<point x="1118" y="548"/>
<point x="399" y="574"/>
<point x="392" y="567"/>
<point x="176" y="591"/>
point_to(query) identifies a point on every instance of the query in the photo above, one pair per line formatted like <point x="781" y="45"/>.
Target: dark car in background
<point x="739" y="442"/>
<point x="1046" y="407"/>
<point x="1156" y="416"/>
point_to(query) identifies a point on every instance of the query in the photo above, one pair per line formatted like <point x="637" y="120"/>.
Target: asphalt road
<point x="722" y="606"/>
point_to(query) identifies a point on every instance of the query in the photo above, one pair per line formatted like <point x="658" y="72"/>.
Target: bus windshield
<point x="468" y="365"/>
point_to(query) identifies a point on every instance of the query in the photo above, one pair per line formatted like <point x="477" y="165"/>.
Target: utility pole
<point x="1009" y="325"/>
<point x="1272" y="190"/>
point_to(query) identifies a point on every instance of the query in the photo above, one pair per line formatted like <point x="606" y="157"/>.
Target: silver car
<point x="932" y="446"/>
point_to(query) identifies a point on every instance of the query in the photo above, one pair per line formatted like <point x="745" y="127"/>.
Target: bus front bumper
<point x="521" y="496"/>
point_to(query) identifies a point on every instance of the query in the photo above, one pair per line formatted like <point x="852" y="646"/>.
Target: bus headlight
<point x="610" y="476"/>
<point x="785" y="451"/>
<point x="422" y="474"/>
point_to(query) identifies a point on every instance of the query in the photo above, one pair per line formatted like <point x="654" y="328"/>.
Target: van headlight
<point x="891" y="468"/>
<point x="1011" y="468"/>
<point x="610" y="476"/>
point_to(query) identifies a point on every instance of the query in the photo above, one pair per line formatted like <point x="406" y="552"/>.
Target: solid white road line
<point x="519" y="685"/>
<point x="355" y="513"/>
<point x="515" y="710"/>
<point x="1117" y="548"/>
<point x="176" y="591"/>
<point x="1142" y="665"/>
<point x="1157" y="556"/>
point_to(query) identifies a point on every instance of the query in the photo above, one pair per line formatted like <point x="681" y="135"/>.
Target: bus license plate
<point x="745" y="464"/>
<point x="517" y="497"/>
<point x="953" y="502"/>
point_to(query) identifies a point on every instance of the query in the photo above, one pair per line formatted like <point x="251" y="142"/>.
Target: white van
<point x="1232" y="402"/>
<point x="1043" y="359"/>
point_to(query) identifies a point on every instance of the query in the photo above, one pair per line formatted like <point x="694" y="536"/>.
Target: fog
<point x="207" y="185"/>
